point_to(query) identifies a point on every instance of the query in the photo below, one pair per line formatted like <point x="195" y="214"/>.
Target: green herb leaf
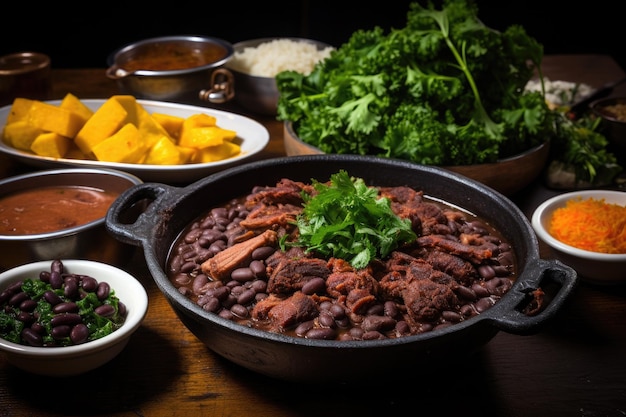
<point x="347" y="219"/>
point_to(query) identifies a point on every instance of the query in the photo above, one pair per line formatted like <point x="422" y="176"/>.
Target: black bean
<point x="56" y="280"/>
<point x="373" y="335"/>
<point x="188" y="267"/>
<point x="391" y="309"/>
<point x="304" y="327"/>
<point x="28" y="305"/>
<point x="486" y="271"/>
<point x="315" y="285"/>
<point x="221" y="293"/>
<point x="212" y="304"/>
<point x="451" y="316"/>
<point x="226" y="314"/>
<point x="263" y="252"/>
<point x="326" y="319"/>
<point x="38" y="327"/>
<point x="239" y="311"/>
<point x="259" y="285"/>
<point x="103" y="290"/>
<point x="121" y="309"/>
<point x="18" y="298"/>
<point x="192" y="236"/>
<point x="31" y="337"/>
<point x="25" y="317"/>
<point x="60" y="332"/>
<point x="65" y="318"/>
<point x="242" y="274"/>
<point x="105" y="310"/>
<point x="199" y="282"/>
<point x="56" y="266"/>
<point x="480" y="290"/>
<point x="246" y="297"/>
<point x="52" y="298"/>
<point x="466" y="293"/>
<point x="79" y="334"/>
<point x="89" y="284"/>
<point x="402" y="327"/>
<point x="376" y="310"/>
<point x="356" y="333"/>
<point x="65" y="307"/>
<point x="229" y="301"/>
<point x="321" y="333"/>
<point x="217" y="246"/>
<point x="483" y="304"/>
<point x="337" y="311"/>
<point x="257" y="267"/>
<point x="379" y="323"/>
<point x="70" y="288"/>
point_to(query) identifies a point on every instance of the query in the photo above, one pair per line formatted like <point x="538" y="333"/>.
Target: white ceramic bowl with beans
<point x="595" y="267"/>
<point x="77" y="359"/>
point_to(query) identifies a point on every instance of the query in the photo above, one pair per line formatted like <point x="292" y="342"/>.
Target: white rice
<point x="269" y="58"/>
<point x="561" y="93"/>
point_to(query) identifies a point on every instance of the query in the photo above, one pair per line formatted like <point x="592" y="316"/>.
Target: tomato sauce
<point x="48" y="209"/>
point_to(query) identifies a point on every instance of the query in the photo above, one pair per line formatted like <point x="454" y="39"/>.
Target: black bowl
<point x="298" y="359"/>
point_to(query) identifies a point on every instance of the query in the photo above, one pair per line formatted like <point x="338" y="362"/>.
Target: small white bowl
<point x="77" y="359"/>
<point x="600" y="268"/>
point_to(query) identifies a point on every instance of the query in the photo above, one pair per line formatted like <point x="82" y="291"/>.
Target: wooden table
<point x="576" y="365"/>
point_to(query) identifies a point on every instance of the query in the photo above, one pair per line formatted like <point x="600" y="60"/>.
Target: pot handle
<point x="556" y="279"/>
<point x="150" y="197"/>
<point x="222" y="87"/>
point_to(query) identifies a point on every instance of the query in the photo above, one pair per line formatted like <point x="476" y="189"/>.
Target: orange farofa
<point x="592" y="225"/>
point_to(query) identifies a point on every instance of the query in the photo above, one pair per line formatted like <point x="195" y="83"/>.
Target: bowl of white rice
<point x="256" y="62"/>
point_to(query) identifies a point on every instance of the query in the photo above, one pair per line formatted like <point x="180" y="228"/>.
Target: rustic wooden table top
<point x="576" y="366"/>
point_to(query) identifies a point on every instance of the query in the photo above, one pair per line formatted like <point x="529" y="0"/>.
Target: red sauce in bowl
<point x="49" y="209"/>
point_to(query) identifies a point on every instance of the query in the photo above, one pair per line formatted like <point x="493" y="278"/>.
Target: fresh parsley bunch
<point x="443" y="90"/>
<point x="347" y="219"/>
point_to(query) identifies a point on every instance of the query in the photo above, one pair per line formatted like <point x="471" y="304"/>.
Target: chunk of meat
<point x="291" y="274"/>
<point x="285" y="313"/>
<point x="475" y="254"/>
<point x="275" y="216"/>
<point x="425" y="300"/>
<point x="221" y="265"/>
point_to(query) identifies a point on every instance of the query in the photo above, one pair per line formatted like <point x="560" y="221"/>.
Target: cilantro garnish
<point x="347" y="219"/>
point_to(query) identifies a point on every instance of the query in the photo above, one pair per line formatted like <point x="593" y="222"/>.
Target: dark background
<point x="84" y="37"/>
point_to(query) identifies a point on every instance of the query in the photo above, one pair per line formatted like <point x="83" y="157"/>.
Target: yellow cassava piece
<point x="19" y="109"/>
<point x="151" y="131"/>
<point x="73" y="104"/>
<point x="199" y="120"/>
<point x="53" y="118"/>
<point x="202" y="137"/>
<point x="163" y="152"/>
<point x="21" y="134"/>
<point x="105" y="121"/>
<point x="172" y="124"/>
<point x="186" y="154"/>
<point x="51" y="144"/>
<point x="130" y="105"/>
<point x="123" y="146"/>
<point x="216" y="153"/>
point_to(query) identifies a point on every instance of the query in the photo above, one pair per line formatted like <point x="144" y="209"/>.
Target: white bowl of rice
<point x="256" y="62"/>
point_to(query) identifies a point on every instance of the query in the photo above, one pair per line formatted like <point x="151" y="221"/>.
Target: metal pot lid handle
<point x="553" y="277"/>
<point x="137" y="232"/>
<point x="222" y="87"/>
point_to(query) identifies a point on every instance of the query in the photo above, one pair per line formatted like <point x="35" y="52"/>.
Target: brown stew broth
<point x="49" y="209"/>
<point x="327" y="299"/>
<point x="169" y="56"/>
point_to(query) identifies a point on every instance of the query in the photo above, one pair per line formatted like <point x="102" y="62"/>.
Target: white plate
<point x="253" y="135"/>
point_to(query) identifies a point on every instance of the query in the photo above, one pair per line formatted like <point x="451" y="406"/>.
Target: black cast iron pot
<point x="306" y="360"/>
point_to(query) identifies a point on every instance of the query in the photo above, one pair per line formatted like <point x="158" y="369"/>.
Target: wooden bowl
<point x="506" y="176"/>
